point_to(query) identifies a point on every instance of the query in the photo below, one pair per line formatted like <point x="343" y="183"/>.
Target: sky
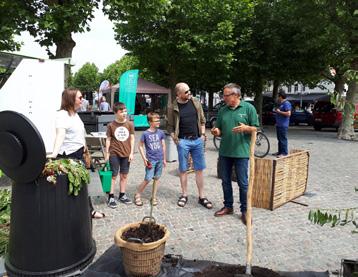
<point x="97" y="46"/>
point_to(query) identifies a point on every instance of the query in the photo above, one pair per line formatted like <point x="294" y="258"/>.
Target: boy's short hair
<point x="118" y="106"/>
<point x="152" y="115"/>
<point x="282" y="93"/>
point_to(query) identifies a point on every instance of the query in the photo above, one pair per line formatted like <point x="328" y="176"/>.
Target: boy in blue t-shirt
<point x="154" y="157"/>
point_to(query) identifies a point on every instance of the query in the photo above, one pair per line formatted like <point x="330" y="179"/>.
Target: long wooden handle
<point x="249" y="209"/>
<point x="154" y="193"/>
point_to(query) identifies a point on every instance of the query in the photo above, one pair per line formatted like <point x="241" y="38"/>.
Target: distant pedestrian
<point x="84" y="104"/>
<point x="104" y="105"/>
<point x="283" y="113"/>
<point x="186" y="125"/>
<point x="119" y="152"/>
<point x="235" y="123"/>
<point x="154" y="156"/>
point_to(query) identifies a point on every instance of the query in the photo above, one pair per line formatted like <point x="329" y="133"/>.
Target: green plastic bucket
<point x="105" y="174"/>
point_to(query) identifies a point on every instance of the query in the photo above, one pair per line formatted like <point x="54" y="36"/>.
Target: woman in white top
<point x="70" y="132"/>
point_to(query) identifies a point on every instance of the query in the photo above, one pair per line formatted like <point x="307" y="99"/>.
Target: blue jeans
<point x="282" y="140"/>
<point x="196" y="149"/>
<point x="241" y="170"/>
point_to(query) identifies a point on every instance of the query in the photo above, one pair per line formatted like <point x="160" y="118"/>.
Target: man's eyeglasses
<point x="227" y="95"/>
<point x="188" y="91"/>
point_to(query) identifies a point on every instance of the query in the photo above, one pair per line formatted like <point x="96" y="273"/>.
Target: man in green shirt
<point x="234" y="124"/>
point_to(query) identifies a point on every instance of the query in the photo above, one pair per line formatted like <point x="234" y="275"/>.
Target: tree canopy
<point x="14" y="18"/>
<point x="87" y="78"/>
<point x="178" y="40"/>
<point x="51" y="22"/>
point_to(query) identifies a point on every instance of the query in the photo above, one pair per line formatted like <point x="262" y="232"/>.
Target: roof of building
<point x="144" y="87"/>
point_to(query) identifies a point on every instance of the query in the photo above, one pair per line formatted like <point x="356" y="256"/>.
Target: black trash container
<point x="50" y="230"/>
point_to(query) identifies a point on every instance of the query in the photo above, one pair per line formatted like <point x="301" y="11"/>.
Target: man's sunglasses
<point x="188" y="91"/>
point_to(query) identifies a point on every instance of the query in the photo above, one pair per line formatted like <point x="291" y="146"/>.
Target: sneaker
<point x="124" y="199"/>
<point x="112" y="203"/>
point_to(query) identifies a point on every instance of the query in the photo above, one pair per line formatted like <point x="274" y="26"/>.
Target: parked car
<point x="326" y="115"/>
<point x="268" y="113"/>
<point x="298" y="115"/>
<point x="301" y="116"/>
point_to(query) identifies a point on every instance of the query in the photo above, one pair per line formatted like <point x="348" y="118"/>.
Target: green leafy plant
<point x="335" y="217"/>
<point x="5" y="200"/>
<point x="76" y="172"/>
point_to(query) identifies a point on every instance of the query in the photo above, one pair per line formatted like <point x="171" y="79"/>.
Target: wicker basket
<point x="280" y="180"/>
<point x="141" y="259"/>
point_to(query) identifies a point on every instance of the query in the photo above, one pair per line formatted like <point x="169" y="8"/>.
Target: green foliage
<point x="14" y="16"/>
<point x="5" y="201"/>
<point x="76" y="172"/>
<point x="114" y="70"/>
<point x="57" y="20"/>
<point x="178" y="40"/>
<point x="51" y="22"/>
<point x="351" y="75"/>
<point x="335" y="217"/>
<point x="86" y="78"/>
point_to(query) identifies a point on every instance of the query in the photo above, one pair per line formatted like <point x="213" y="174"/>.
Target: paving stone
<point x="283" y="239"/>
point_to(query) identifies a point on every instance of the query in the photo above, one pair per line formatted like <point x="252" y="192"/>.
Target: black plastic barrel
<point x="50" y="230"/>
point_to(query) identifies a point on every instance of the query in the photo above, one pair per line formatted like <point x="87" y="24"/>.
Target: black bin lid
<point x="22" y="150"/>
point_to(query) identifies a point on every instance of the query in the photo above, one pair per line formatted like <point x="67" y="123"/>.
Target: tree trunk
<point x="339" y="84"/>
<point x="276" y="84"/>
<point x="64" y="49"/>
<point x="346" y="130"/>
<point x="259" y="97"/>
<point x="210" y="101"/>
<point x="172" y="83"/>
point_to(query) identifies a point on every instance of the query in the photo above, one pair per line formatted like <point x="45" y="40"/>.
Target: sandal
<point x="137" y="200"/>
<point x="97" y="215"/>
<point x="182" y="201"/>
<point x="205" y="202"/>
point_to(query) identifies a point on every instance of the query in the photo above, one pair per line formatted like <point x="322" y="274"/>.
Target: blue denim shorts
<point x="155" y="172"/>
<point x="196" y="149"/>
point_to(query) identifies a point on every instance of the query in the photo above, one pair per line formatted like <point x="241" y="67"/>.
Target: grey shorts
<point x="119" y="163"/>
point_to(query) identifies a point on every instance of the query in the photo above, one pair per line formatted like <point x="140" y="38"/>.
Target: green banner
<point x="128" y="89"/>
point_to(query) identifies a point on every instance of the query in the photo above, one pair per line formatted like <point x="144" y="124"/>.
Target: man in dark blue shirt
<point x="283" y="113"/>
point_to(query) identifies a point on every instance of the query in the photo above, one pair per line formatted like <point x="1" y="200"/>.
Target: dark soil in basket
<point x="147" y="232"/>
<point x="235" y="271"/>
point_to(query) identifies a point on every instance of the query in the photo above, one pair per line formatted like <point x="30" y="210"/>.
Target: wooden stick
<point x="154" y="193"/>
<point x="249" y="210"/>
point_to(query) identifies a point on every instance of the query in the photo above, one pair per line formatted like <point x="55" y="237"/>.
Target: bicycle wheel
<point x="217" y="141"/>
<point x="262" y="147"/>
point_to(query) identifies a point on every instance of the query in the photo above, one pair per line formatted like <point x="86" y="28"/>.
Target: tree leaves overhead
<point x="56" y="20"/>
<point x="178" y="40"/>
<point x="51" y="22"/>
<point x="15" y="16"/>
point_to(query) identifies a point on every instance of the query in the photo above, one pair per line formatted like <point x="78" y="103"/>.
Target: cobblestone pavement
<point x="284" y="239"/>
